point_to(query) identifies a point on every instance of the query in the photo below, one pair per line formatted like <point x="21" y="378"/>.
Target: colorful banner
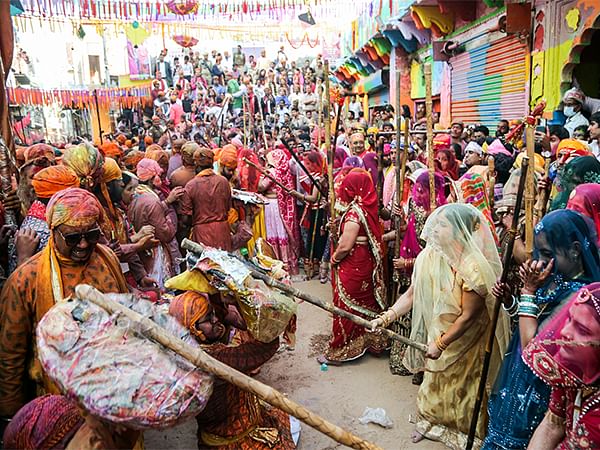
<point x="83" y="99"/>
<point x="139" y="61"/>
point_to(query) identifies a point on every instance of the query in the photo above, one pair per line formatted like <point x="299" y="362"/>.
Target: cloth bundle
<point x="106" y="364"/>
<point x="266" y="311"/>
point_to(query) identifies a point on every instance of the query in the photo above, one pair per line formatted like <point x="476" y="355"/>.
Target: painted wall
<point x="562" y="29"/>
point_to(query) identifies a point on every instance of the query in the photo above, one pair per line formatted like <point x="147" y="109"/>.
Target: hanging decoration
<point x="304" y="38"/>
<point x="82" y="99"/>
<point x="185" y="41"/>
<point x="182" y="7"/>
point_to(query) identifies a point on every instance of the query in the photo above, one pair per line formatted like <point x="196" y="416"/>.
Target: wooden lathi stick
<point x="506" y="263"/>
<point x="529" y="191"/>
<point x="491" y="179"/>
<point x="196" y="248"/>
<point x="430" y="155"/>
<point x="209" y="364"/>
<point x="269" y="176"/>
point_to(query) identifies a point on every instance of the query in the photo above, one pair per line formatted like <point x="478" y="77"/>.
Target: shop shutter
<point x="488" y="83"/>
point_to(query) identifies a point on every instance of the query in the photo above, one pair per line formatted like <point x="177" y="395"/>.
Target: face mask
<point x="569" y="111"/>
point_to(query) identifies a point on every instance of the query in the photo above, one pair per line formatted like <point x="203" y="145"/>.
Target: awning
<point x="373" y="83"/>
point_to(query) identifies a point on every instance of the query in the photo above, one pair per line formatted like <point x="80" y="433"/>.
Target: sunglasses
<point x="72" y="239"/>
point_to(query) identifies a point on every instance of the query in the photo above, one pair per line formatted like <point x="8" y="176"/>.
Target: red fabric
<point x="248" y="175"/>
<point x="452" y="169"/>
<point x="587" y="429"/>
<point x="357" y="185"/>
<point x="286" y="203"/>
<point x="585" y="199"/>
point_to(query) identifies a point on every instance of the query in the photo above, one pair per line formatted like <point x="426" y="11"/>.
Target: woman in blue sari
<point x="566" y="258"/>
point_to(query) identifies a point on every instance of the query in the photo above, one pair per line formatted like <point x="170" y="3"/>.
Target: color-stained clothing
<point x="26" y="297"/>
<point x="207" y="199"/>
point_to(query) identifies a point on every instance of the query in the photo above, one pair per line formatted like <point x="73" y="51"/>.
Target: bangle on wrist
<point x="439" y="343"/>
<point x="528" y="309"/>
<point x="513" y="309"/>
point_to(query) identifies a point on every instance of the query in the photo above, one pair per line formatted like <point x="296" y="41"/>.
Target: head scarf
<point x="568" y="149"/>
<point x="475" y="147"/>
<point x="459" y="248"/>
<point x="205" y="152"/>
<point x="539" y="163"/>
<point x="53" y="179"/>
<point x="132" y="158"/>
<point x="73" y="207"/>
<point x="38" y="151"/>
<point x="111" y="150"/>
<point x="156" y="153"/>
<point x="555" y="357"/>
<point x="188" y="308"/>
<point x="339" y="158"/>
<point x="585" y="199"/>
<point x="370" y="162"/>
<point x="442" y="141"/>
<point x="47" y="422"/>
<point x="314" y="162"/>
<point x="420" y="191"/>
<point x="584" y="169"/>
<point x="354" y="162"/>
<point x="452" y="170"/>
<point x="228" y="156"/>
<point x="473" y="191"/>
<point x="111" y="171"/>
<point x="86" y="161"/>
<point x="563" y="227"/>
<point x="497" y="147"/>
<point x="188" y="149"/>
<point x="248" y="175"/>
<point x="149" y="169"/>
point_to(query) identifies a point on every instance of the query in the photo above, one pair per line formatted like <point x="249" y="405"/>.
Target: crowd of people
<point x="425" y="264"/>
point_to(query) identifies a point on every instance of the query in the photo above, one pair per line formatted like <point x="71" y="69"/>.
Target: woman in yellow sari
<point x="451" y="301"/>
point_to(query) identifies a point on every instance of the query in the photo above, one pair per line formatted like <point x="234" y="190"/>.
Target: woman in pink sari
<point x="358" y="279"/>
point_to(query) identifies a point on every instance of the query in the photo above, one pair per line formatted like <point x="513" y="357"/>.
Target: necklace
<point x="544" y="295"/>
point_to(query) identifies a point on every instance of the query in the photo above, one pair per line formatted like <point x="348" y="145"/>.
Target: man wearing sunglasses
<point x="72" y="256"/>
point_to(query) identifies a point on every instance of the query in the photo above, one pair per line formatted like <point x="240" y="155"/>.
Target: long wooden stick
<point x="330" y="146"/>
<point x="196" y="248"/>
<point x="400" y="168"/>
<point x="304" y="169"/>
<point x="529" y="191"/>
<point x="209" y="364"/>
<point x="430" y="156"/>
<point x="545" y="195"/>
<point x="491" y="337"/>
<point x="491" y="179"/>
<point x="269" y="176"/>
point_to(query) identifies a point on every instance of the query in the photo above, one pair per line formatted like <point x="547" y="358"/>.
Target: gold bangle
<point x="440" y="344"/>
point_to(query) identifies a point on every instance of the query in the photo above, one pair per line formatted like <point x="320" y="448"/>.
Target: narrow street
<point x="339" y="395"/>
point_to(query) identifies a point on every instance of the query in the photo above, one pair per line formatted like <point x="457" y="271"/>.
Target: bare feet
<point x="416" y="437"/>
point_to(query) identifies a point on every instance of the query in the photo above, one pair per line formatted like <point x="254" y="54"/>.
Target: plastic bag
<point x="376" y="415"/>
<point x="115" y="372"/>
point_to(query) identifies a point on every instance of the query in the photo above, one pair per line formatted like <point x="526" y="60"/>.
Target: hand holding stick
<point x="286" y="189"/>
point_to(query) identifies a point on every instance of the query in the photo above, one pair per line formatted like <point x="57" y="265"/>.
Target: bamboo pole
<point x="529" y="191"/>
<point x="209" y="364"/>
<point x="540" y="211"/>
<point x="304" y="169"/>
<point x="196" y="248"/>
<point x="400" y="170"/>
<point x="264" y="133"/>
<point x="430" y="156"/>
<point x="244" y="121"/>
<point x="330" y="144"/>
<point x="269" y="176"/>
<point x="491" y="337"/>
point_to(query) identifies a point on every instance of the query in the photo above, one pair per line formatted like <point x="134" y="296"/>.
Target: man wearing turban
<point x="187" y="171"/>
<point x="205" y="204"/>
<point x="72" y="256"/>
<point x="46" y="183"/>
<point x="228" y="161"/>
<point x="86" y="161"/>
<point x="233" y="418"/>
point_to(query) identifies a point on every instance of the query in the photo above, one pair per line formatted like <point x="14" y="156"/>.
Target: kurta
<point x="23" y="303"/>
<point x="207" y="199"/>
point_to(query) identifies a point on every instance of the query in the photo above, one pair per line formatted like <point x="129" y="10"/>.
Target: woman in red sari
<point x="566" y="356"/>
<point x="358" y="281"/>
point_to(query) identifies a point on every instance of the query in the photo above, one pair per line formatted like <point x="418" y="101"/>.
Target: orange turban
<point x="53" y="179"/>
<point x="570" y="148"/>
<point x="111" y="171"/>
<point x="228" y="156"/>
<point x="148" y="140"/>
<point x="188" y="308"/>
<point x="442" y="141"/>
<point x="132" y="158"/>
<point x="121" y="139"/>
<point x="156" y="153"/>
<point x="74" y="207"/>
<point x="128" y="143"/>
<point x="111" y="149"/>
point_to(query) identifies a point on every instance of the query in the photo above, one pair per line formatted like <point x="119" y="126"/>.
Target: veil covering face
<point x="566" y="352"/>
<point x="460" y="254"/>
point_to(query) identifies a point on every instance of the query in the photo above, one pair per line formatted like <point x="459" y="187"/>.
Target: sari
<point x="358" y="281"/>
<point x="473" y="191"/>
<point x="460" y="255"/>
<point x="519" y="399"/>
<point x="566" y="358"/>
<point x="419" y="208"/>
<point x="585" y="199"/>
<point x="314" y="213"/>
<point x="582" y="169"/>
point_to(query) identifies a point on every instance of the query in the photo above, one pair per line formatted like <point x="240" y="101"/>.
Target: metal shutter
<point x="488" y="83"/>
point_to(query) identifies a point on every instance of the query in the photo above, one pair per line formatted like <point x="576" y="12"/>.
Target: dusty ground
<point x="340" y="394"/>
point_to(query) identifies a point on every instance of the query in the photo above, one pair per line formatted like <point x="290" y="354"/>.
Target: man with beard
<point x="473" y="157"/>
<point x="502" y="128"/>
<point x="481" y="135"/>
<point x="456" y="132"/>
